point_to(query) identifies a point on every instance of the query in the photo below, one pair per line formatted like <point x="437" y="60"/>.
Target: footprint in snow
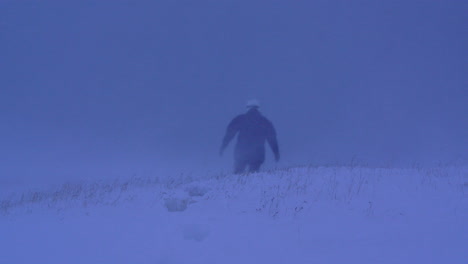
<point x="196" y="232"/>
<point x="176" y="204"/>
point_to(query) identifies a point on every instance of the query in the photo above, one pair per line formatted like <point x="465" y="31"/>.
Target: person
<point x="253" y="130"/>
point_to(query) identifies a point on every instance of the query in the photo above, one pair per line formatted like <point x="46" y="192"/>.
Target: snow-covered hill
<point x="296" y="215"/>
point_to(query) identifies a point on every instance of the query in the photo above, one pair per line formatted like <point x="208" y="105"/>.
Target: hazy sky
<point x="115" y="88"/>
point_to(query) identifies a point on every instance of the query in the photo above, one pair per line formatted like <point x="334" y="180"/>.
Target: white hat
<point x="252" y="103"/>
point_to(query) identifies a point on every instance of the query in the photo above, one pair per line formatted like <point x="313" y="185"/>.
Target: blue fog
<point x="93" y="89"/>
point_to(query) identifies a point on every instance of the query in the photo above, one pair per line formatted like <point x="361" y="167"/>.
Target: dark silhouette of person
<point x="253" y="130"/>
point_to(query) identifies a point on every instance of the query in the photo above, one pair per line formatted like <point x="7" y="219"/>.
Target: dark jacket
<point x="253" y="129"/>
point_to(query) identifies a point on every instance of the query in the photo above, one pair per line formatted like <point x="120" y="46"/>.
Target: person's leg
<point x="239" y="166"/>
<point x="255" y="166"/>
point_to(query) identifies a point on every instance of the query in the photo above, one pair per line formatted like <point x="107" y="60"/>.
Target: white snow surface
<point x="295" y="215"/>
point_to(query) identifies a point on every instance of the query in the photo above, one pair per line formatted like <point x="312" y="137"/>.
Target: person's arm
<point x="271" y="138"/>
<point x="231" y="131"/>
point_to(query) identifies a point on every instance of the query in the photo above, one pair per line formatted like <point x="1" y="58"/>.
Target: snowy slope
<point x="296" y="215"/>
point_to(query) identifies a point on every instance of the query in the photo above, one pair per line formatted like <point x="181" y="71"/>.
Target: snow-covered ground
<point x="296" y="215"/>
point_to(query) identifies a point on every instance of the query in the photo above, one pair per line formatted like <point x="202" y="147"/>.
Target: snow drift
<point x="295" y="215"/>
